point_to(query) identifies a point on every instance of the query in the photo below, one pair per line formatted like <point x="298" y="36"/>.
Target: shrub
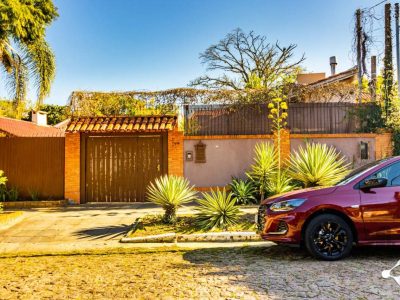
<point x="3" y="193"/>
<point x="217" y="210"/>
<point x="3" y="188"/>
<point x="265" y="162"/>
<point x="13" y="194"/>
<point x="3" y="178"/>
<point x="34" y="195"/>
<point x="317" y="165"/>
<point x="170" y="192"/>
<point x="243" y="191"/>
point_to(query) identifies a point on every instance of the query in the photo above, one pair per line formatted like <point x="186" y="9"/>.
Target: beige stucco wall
<point x="224" y="158"/>
<point x="232" y="157"/>
<point x="349" y="147"/>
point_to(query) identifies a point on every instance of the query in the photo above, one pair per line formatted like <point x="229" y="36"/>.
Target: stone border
<point x="34" y="204"/>
<point x="226" y="236"/>
<point x="8" y="219"/>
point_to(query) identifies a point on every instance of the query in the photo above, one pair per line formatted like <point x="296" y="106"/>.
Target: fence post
<point x="185" y="118"/>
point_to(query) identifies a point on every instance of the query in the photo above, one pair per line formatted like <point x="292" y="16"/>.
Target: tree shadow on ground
<point x="103" y="232"/>
<point x="283" y="272"/>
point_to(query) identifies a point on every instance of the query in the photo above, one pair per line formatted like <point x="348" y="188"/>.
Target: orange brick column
<point x="383" y="145"/>
<point x="72" y="167"/>
<point x="285" y="144"/>
<point x="175" y="152"/>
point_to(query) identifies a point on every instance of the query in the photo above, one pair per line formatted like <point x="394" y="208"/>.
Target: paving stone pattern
<point x="273" y="272"/>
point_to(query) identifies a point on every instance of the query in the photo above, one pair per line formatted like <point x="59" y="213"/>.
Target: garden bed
<point x="185" y="224"/>
<point x="152" y="229"/>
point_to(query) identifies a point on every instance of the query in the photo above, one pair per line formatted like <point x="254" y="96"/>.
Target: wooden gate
<point x="34" y="165"/>
<point x="119" y="168"/>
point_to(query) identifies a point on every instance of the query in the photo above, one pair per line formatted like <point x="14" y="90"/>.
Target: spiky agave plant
<point x="243" y="191"/>
<point x="265" y="162"/>
<point x="217" y="210"/>
<point x="279" y="182"/>
<point x="170" y="192"/>
<point x="317" y="165"/>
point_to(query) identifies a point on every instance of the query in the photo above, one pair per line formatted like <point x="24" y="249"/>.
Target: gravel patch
<point x="275" y="272"/>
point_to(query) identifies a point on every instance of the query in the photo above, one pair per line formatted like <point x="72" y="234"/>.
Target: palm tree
<point x="24" y="52"/>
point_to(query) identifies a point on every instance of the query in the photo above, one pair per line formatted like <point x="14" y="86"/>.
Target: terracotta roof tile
<point x="13" y="127"/>
<point x="122" y="124"/>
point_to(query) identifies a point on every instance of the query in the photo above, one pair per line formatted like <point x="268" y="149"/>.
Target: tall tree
<point x="388" y="60"/>
<point x="24" y="52"/>
<point x="243" y="60"/>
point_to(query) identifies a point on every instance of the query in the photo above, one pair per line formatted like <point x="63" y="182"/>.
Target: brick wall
<point x="285" y="144"/>
<point x="383" y="145"/>
<point x="72" y="167"/>
<point x="175" y="152"/>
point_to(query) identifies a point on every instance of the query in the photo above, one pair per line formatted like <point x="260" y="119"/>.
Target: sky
<point x="123" y="45"/>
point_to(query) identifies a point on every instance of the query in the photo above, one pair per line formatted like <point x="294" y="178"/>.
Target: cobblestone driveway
<point x="251" y="273"/>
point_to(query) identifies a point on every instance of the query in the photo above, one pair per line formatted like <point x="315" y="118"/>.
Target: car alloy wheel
<point x="329" y="237"/>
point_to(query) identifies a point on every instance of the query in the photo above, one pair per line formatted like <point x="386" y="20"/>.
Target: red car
<point x="362" y="209"/>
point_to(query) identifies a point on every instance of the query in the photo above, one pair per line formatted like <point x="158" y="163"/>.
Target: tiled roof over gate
<point x="122" y="124"/>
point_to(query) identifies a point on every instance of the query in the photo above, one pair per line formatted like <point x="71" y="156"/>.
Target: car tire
<point x="328" y="237"/>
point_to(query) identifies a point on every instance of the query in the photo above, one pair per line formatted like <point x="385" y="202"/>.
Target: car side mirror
<point x="373" y="183"/>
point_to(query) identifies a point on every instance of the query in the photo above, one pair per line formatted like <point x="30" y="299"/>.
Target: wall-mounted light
<point x="189" y="155"/>
<point x="364" y="150"/>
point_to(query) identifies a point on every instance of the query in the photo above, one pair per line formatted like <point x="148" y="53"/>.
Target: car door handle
<point x="355" y="206"/>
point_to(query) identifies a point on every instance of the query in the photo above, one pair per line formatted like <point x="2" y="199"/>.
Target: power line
<point x="372" y="7"/>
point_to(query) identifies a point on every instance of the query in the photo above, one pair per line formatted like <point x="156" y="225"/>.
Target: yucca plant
<point x="170" y="192"/>
<point x="217" y="210"/>
<point x="280" y="182"/>
<point x="265" y="163"/>
<point x="317" y="165"/>
<point x="243" y="191"/>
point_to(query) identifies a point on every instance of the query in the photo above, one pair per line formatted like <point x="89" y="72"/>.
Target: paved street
<point x="93" y="264"/>
<point x="274" y="272"/>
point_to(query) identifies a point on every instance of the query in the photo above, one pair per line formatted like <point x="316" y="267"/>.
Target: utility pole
<point x="359" y="52"/>
<point x="396" y="15"/>
<point x="388" y="60"/>
<point x="372" y="84"/>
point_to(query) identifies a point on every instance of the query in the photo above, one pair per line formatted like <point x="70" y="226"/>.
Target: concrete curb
<point x="227" y="236"/>
<point x="159" y="238"/>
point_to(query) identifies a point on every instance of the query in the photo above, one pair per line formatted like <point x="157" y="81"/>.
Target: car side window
<point x="391" y="173"/>
<point x="396" y="181"/>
